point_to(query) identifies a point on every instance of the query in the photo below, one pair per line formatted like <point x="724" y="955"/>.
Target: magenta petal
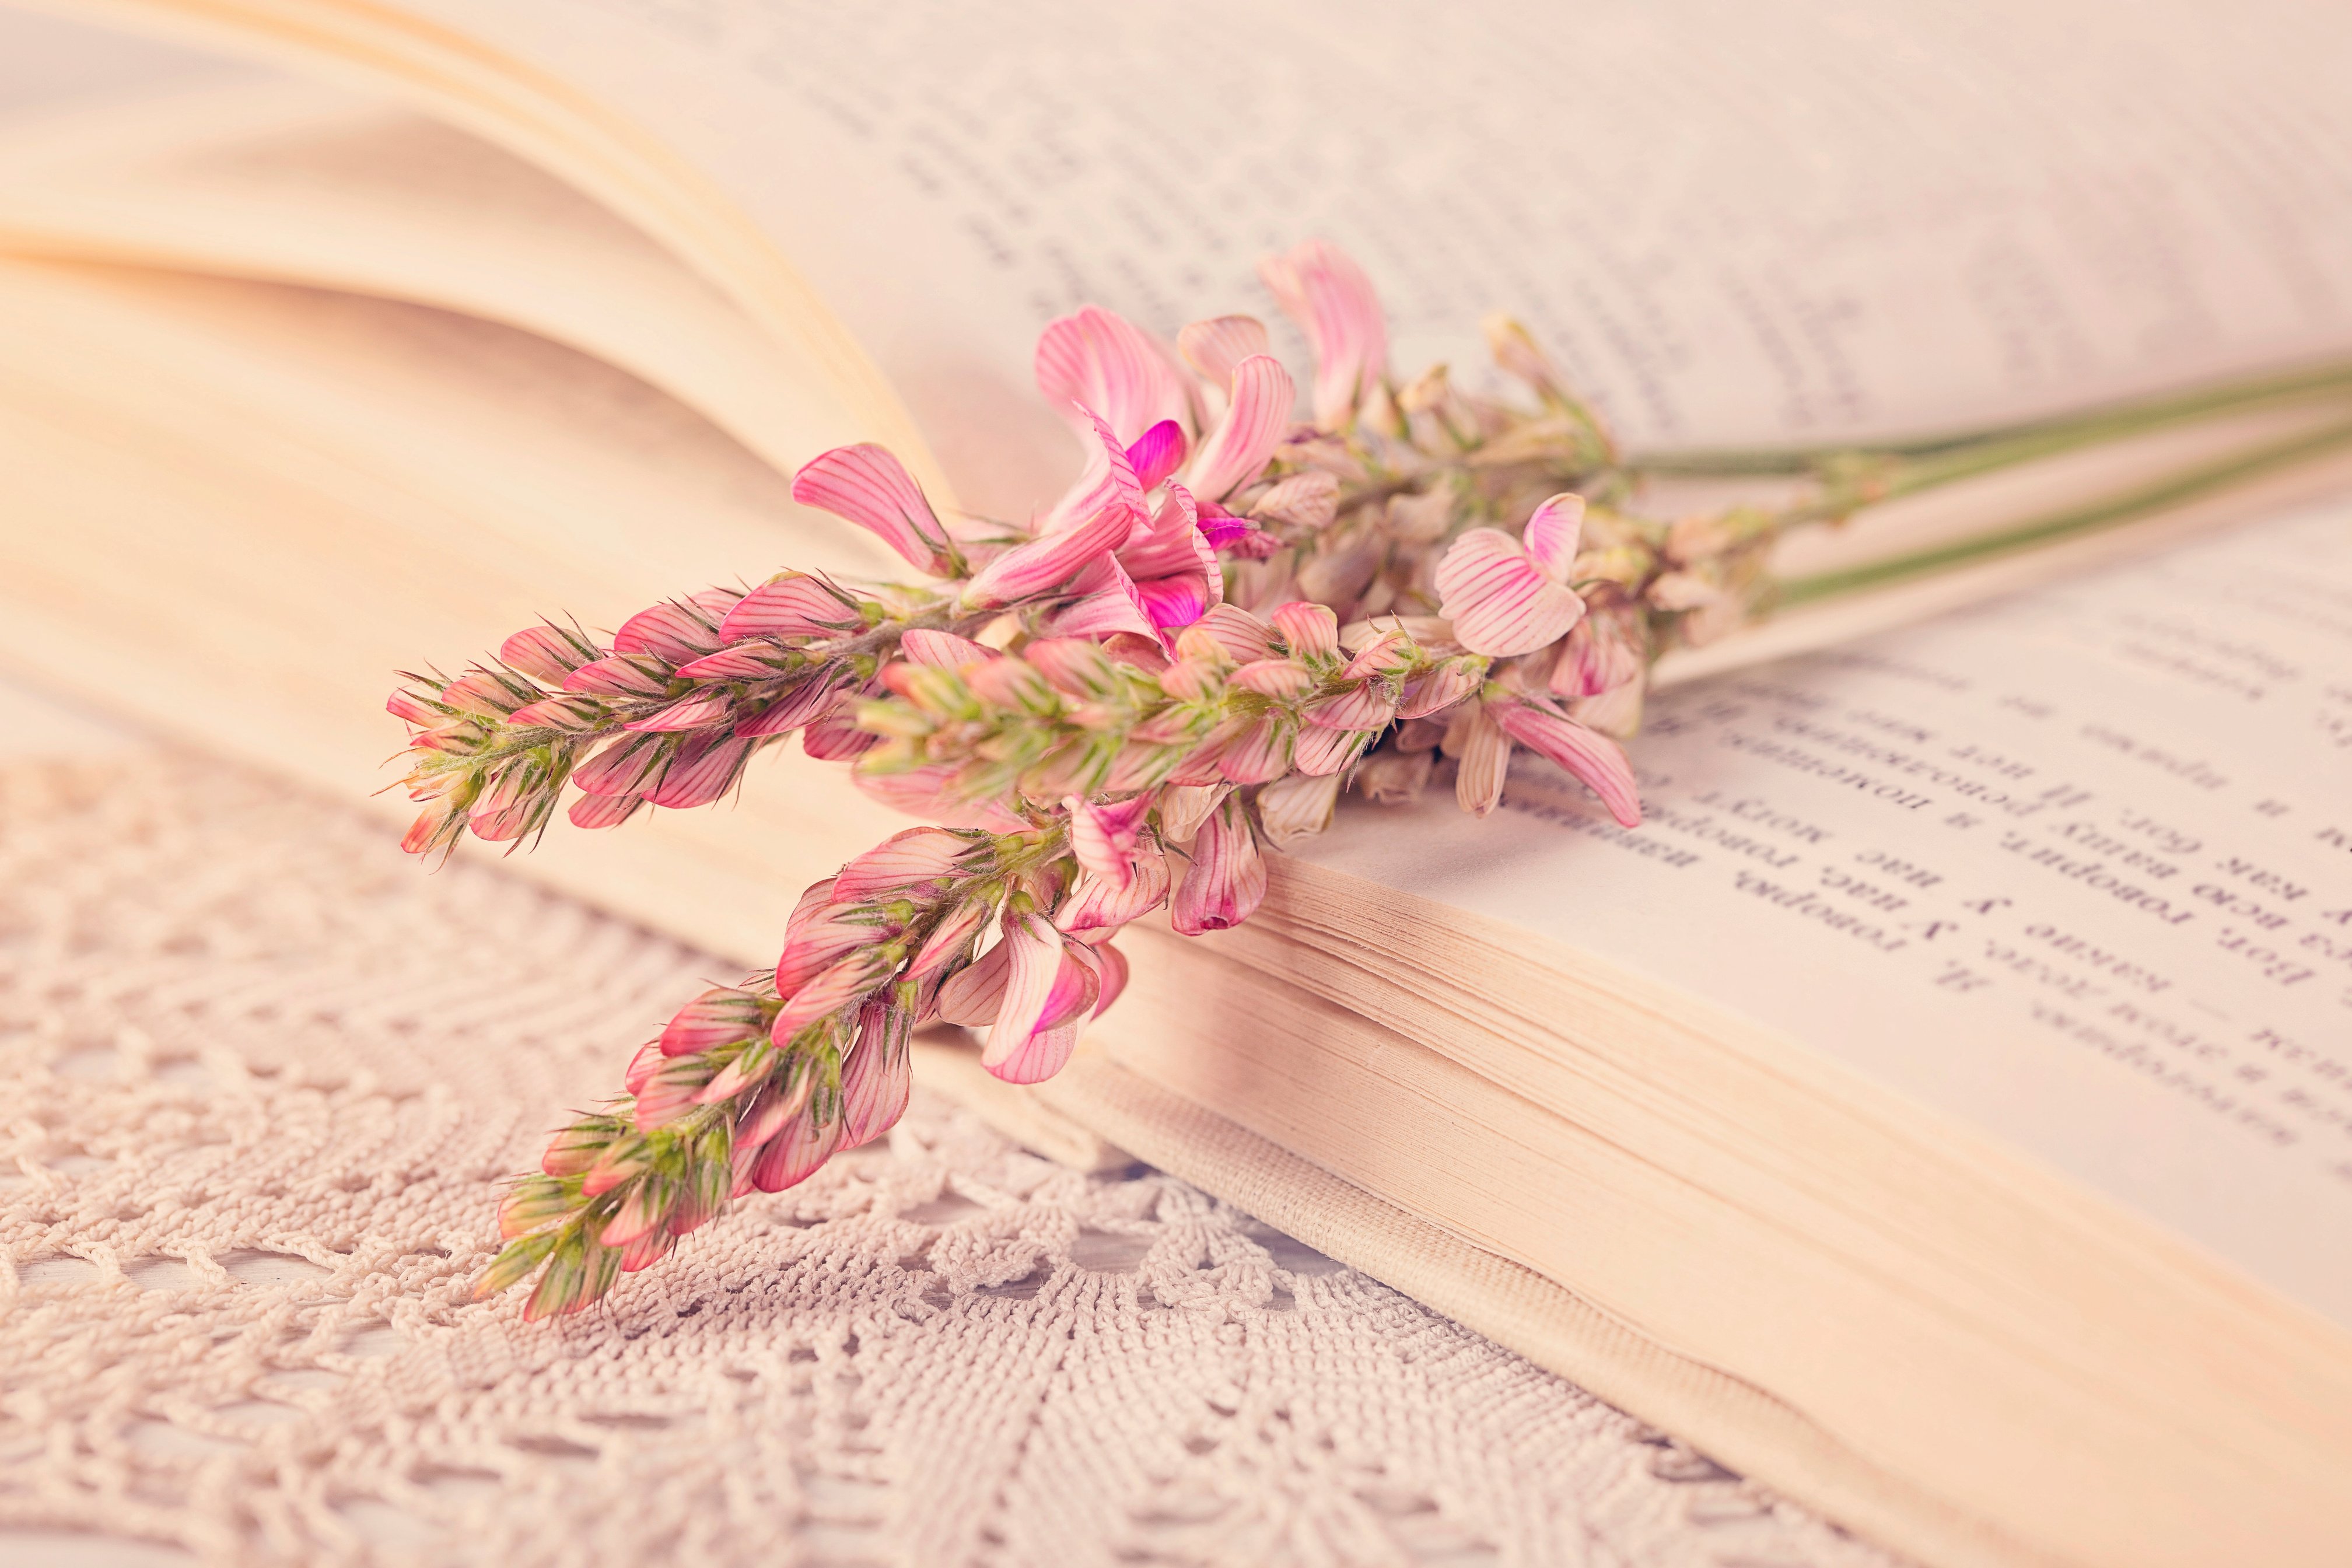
<point x="1586" y="754"/>
<point x="1253" y="425"/>
<point x="1157" y="453"/>
<point x="1174" y="603"/>
<point x="1499" y="603"/>
<point x="873" y="490"/>
<point x="1105" y="362"/>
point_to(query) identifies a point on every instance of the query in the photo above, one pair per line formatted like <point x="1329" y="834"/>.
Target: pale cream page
<point x="1735" y="222"/>
<point x="2075" y="868"/>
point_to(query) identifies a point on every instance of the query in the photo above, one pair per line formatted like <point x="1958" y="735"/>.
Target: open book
<point x="1938" y="1109"/>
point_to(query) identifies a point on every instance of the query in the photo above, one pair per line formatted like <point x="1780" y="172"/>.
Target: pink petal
<point x="1227" y="880"/>
<point x="1244" y="638"/>
<point x="903" y="861"/>
<point x="1037" y="1059"/>
<point x="1309" y="629"/>
<point x="1169" y="542"/>
<point x="1026" y="571"/>
<point x="482" y="693"/>
<point x="1107" y="839"/>
<point x="757" y="661"/>
<point x="720" y="1016"/>
<point x="701" y="774"/>
<point x="1157" y="453"/>
<point x="1254" y="423"/>
<point x="1602" y="654"/>
<point x="544" y="654"/>
<point x="1104" y="362"/>
<point x="1321" y="288"/>
<point x="603" y="810"/>
<point x="873" y="490"/>
<point x="950" y="942"/>
<point x="620" y="675"/>
<point x="1585" y="754"/>
<point x="846" y="981"/>
<point x="1114" y="975"/>
<point x="671" y="632"/>
<point x="699" y="711"/>
<point x="1499" y="603"/>
<point x="974" y="994"/>
<point x="1033" y="964"/>
<point x="1173" y="603"/>
<point x="810" y="699"/>
<point x="1365" y="707"/>
<point x="1322" y="753"/>
<point x="792" y="606"/>
<point x="816" y="938"/>
<point x="944" y="650"/>
<point x="641" y="1066"/>
<point x="1274" y="678"/>
<point x="1097" y="904"/>
<point x="1551" y="534"/>
<point x="794" y="1155"/>
<point x="1485" y="761"/>
<point x="1040" y="1053"/>
<point x="1116" y="606"/>
<point x="1216" y="346"/>
<point x="877" y="1080"/>
<point x="1261" y="752"/>
<point x="630" y="765"/>
<point x="836" y="738"/>
<point x="1107" y="483"/>
<point x="1442" y="687"/>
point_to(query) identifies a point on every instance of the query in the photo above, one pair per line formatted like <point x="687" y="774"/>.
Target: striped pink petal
<point x="1321" y="287"/>
<point x="1114" y="606"/>
<point x="1216" y="346"/>
<point x="1500" y="602"/>
<point x="931" y="792"/>
<point x="1365" y="707"/>
<point x="620" y="675"/>
<point x="759" y="660"/>
<point x="1227" y="880"/>
<point x="949" y="941"/>
<point x="593" y="810"/>
<point x="1602" y="654"/>
<point x="671" y="632"/>
<point x="699" y="711"/>
<point x="1097" y="904"/>
<point x="1321" y="752"/>
<point x="720" y="1016"/>
<point x="702" y="772"/>
<point x="1113" y="964"/>
<point x="794" y="1155"/>
<point x="1244" y="638"/>
<point x="873" y="490"/>
<point x="943" y="650"/>
<point x="1308" y="628"/>
<point x="1037" y="1059"/>
<point x="1551" y="534"/>
<point x="846" y="979"/>
<point x="792" y="606"/>
<point x="1026" y="571"/>
<point x="837" y="737"/>
<point x="1261" y="752"/>
<point x="877" y="1080"/>
<point x="544" y="653"/>
<point x="1105" y="362"/>
<point x="810" y="699"/>
<point x="1442" y="687"/>
<point x="1036" y="1053"/>
<point x="816" y="938"/>
<point x="974" y="994"/>
<point x="1107" y="839"/>
<point x="1583" y="753"/>
<point x="901" y="861"/>
<point x="1034" y="963"/>
<point x="1256" y="418"/>
<point x="1485" y="755"/>
<point x="630" y="765"/>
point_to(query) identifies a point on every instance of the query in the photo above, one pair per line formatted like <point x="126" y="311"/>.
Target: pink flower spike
<point x="943" y="650"/>
<point x="1227" y="880"/>
<point x="670" y="632"/>
<point x="791" y="606"/>
<point x="543" y="654"/>
<point x="1585" y="754"/>
<point x="1551" y="536"/>
<point x="901" y="861"/>
<point x="1321" y="287"/>
<point x="1157" y="454"/>
<point x="1108" y="839"/>
<point x="1103" y="361"/>
<point x="1501" y="602"/>
<point x="1216" y="346"/>
<point x="1254" y="422"/>
<point x="873" y="490"/>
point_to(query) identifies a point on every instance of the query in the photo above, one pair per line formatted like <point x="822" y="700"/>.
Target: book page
<point x="1734" y="223"/>
<point x="2075" y="867"/>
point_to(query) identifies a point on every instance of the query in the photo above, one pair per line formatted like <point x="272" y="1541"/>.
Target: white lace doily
<point x="263" y="1076"/>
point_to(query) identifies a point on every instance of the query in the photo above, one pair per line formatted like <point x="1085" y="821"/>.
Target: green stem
<point x="2183" y="485"/>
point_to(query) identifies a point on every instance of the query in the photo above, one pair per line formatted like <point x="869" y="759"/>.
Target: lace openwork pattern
<point x="262" y="1078"/>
